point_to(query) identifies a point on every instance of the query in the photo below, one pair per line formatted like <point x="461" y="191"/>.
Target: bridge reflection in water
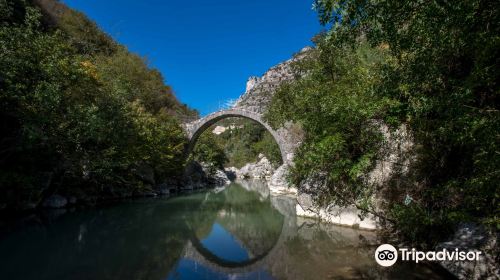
<point x="257" y="236"/>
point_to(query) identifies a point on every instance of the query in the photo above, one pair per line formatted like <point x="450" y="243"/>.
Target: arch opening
<point x="197" y="128"/>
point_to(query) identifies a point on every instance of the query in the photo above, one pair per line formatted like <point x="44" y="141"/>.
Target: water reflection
<point x="239" y="232"/>
<point x="224" y="245"/>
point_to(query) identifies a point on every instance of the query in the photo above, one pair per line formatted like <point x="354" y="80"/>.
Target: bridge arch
<point x="196" y="128"/>
<point x="286" y="206"/>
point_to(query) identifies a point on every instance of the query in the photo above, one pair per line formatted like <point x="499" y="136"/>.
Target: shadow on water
<point x="237" y="232"/>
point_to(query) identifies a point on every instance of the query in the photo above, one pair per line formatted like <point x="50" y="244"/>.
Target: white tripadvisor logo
<point x="386" y="255"/>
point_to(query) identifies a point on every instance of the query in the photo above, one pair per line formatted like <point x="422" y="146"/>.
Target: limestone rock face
<point x="219" y="178"/>
<point x="346" y="216"/>
<point x="260" y="90"/>
<point x="260" y="169"/>
<point x="219" y="130"/>
<point x="471" y="237"/>
<point x="252" y="81"/>
<point x="306" y="202"/>
<point x="396" y="155"/>
<point x="278" y="183"/>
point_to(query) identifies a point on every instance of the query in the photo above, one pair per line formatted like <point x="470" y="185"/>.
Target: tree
<point x="76" y="121"/>
<point x="433" y="65"/>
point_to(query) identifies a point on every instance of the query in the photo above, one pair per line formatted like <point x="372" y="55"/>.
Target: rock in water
<point x="219" y="178"/>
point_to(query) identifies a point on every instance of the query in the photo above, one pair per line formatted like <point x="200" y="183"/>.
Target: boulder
<point x="261" y="169"/>
<point x="472" y="237"/>
<point x="305" y="201"/>
<point x="346" y="216"/>
<point x="55" y="201"/>
<point x="219" y="178"/>
<point x="215" y="176"/>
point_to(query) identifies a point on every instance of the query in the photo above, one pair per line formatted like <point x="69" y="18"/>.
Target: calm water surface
<point x="237" y="232"/>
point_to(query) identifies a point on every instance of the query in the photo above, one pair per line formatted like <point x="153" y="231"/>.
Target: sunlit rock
<point x="346" y="216"/>
<point x="278" y="183"/>
<point x="219" y="178"/>
<point x="261" y="169"/>
<point x="260" y="90"/>
<point x="219" y="130"/>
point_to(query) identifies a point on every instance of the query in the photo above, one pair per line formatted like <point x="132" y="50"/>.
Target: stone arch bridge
<point x="285" y="138"/>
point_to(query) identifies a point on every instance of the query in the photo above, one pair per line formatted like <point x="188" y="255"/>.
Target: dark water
<point x="239" y="232"/>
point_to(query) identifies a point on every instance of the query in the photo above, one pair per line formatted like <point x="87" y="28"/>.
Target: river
<point x="236" y="232"/>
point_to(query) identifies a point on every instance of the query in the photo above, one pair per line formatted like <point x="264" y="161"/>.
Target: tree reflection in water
<point x="240" y="232"/>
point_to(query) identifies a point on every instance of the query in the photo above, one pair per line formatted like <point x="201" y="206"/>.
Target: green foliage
<point x="432" y="65"/>
<point x="128" y="75"/>
<point x="267" y="146"/>
<point x="245" y="140"/>
<point x="336" y="103"/>
<point x="84" y="34"/>
<point x="75" y="120"/>
<point x="210" y="151"/>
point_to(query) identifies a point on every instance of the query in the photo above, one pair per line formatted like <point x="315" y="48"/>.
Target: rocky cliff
<point x="259" y="90"/>
<point x="396" y="161"/>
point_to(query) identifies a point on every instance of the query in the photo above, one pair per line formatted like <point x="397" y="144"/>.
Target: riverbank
<point x="349" y="218"/>
<point x="467" y="237"/>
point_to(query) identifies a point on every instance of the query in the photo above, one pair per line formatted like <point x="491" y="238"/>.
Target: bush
<point x="431" y="65"/>
<point x="75" y="121"/>
<point x="335" y="103"/>
<point x="244" y="140"/>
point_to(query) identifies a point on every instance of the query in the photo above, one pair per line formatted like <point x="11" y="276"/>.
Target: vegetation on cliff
<point x="79" y="112"/>
<point x="241" y="142"/>
<point x="433" y="66"/>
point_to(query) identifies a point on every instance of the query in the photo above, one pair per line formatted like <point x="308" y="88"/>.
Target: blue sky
<point x="205" y="49"/>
